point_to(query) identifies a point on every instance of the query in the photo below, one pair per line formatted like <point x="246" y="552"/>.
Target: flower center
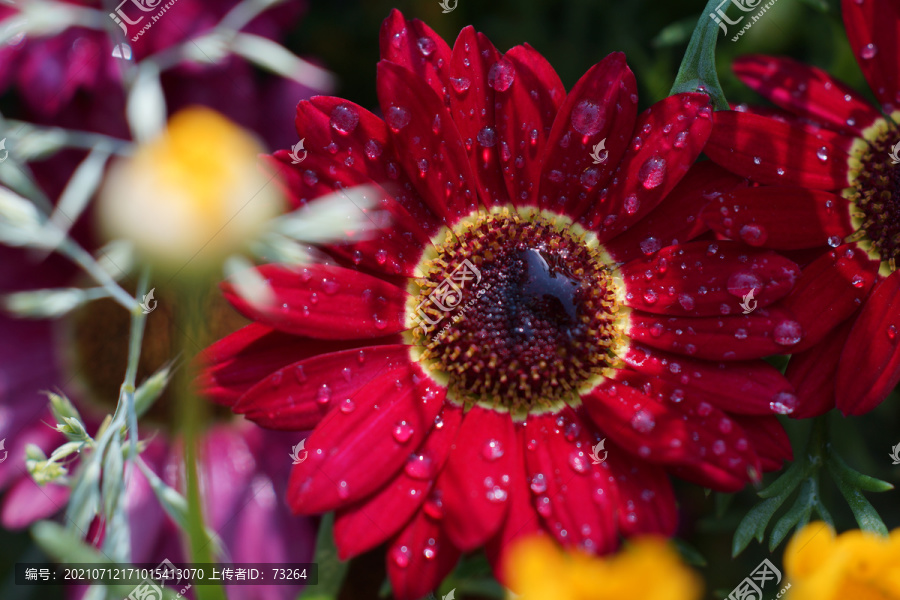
<point x="875" y="195"/>
<point x="516" y="309"/>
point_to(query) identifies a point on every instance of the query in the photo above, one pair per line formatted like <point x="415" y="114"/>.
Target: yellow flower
<point x="191" y="196"/>
<point x="854" y="565"/>
<point x="647" y="569"/>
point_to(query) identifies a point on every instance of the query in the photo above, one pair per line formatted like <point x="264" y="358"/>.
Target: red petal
<point x="524" y="118"/>
<point x="873" y="28"/>
<point x="365" y="525"/>
<point x="414" y="46"/>
<point x="870" y="362"/>
<point x="352" y="453"/>
<point x="522" y="519"/>
<point x="428" y="143"/>
<point x="645" y="500"/>
<point x="736" y="387"/>
<point x="298" y="396"/>
<point x="326" y="302"/>
<point x="807" y="91"/>
<point x="474" y="484"/>
<point x="700" y="278"/>
<point x="757" y="147"/>
<point x="239" y="361"/>
<point x="601" y="106"/>
<point x="677" y="218"/>
<point x="686" y="437"/>
<point x="787" y="218"/>
<point x="578" y="503"/>
<point x="419" y="558"/>
<point x="769" y="439"/>
<point x="761" y="333"/>
<point x="669" y="137"/>
<point x="813" y="372"/>
<point x="472" y="101"/>
<point x="830" y="290"/>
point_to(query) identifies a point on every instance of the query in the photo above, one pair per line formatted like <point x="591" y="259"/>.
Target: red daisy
<point x="829" y="180"/>
<point x="577" y="310"/>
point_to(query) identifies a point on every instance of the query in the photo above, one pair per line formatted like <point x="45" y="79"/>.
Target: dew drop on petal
<point x="426" y="46"/>
<point x="753" y="234"/>
<point x="539" y="484"/>
<point x="788" y="332"/>
<point x="643" y="421"/>
<point x="460" y="84"/>
<point x="652" y="173"/>
<point x="868" y="52"/>
<point x="784" y="403"/>
<point x="892" y="332"/>
<point x="822" y="153"/>
<point x="397" y="118"/>
<point x="487" y="137"/>
<point x="401" y="555"/>
<point x="344" y="119"/>
<point x="402" y="432"/>
<point x="650" y="246"/>
<point x="348" y="406"/>
<point x="578" y="461"/>
<point x="501" y="75"/>
<point x="492" y="450"/>
<point x="632" y="204"/>
<point x="323" y="396"/>
<point x="373" y="149"/>
<point x="587" y="118"/>
<point x="718" y="448"/>
<point x="419" y="466"/>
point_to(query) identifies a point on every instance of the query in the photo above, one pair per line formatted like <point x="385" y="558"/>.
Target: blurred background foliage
<point x="342" y="35"/>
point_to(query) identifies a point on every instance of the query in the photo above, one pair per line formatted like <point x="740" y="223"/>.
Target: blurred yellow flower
<point x="646" y="569"/>
<point x="854" y="565"/>
<point x="191" y="196"/>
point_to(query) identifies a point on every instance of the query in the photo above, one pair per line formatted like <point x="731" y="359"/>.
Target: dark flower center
<point x="516" y="310"/>
<point x="875" y="195"/>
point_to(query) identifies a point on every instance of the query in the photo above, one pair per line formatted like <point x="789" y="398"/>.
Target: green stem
<point x="698" y="67"/>
<point x="83" y="259"/>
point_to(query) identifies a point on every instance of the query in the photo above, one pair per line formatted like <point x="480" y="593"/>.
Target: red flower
<point x="829" y="180"/>
<point x="583" y="312"/>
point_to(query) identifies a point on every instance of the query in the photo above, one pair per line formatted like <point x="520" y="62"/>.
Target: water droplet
<point x="578" y="461"/>
<point x="822" y="153"/>
<point x="397" y="118"/>
<point x="343" y="490"/>
<point x="426" y="46"/>
<point x="681" y="139"/>
<point x="487" y="137"/>
<point x="401" y="555"/>
<point x="650" y="246"/>
<point x="753" y="234"/>
<point x="496" y="494"/>
<point x="402" y="432"/>
<point x="348" y="406"/>
<point x="643" y="421"/>
<point x="718" y="447"/>
<point x="419" y="466"/>
<point x="460" y="84"/>
<point x="892" y="332"/>
<point x="834" y="241"/>
<point x="492" y="450"/>
<point x="587" y="118"/>
<point x="299" y="374"/>
<point x="780" y="171"/>
<point x="590" y="177"/>
<point x="539" y="484"/>
<point x="784" y="403"/>
<point x="868" y="51"/>
<point x="323" y="396"/>
<point x="632" y="204"/>
<point x="276" y="379"/>
<point x="704" y="409"/>
<point x="344" y="119"/>
<point x="788" y="333"/>
<point x="556" y="176"/>
<point x="757" y="160"/>
<point x="652" y="172"/>
<point x="501" y="75"/>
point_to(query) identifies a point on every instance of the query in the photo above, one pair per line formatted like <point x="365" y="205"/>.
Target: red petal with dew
<point x="414" y="46"/>
<point x="668" y="138"/>
<point x="472" y="486"/>
<point x="354" y="452"/>
<point x="786" y="218"/>
<point x="698" y="278"/>
<point x="419" y="558"/>
<point x="602" y="107"/>
<point x="778" y="153"/>
<point x="813" y="372"/>
<point x="299" y="395"/>
<point x="676" y="219"/>
<point x="644" y="497"/>
<point x="806" y="91"/>
<point x="428" y="143"/>
<point x="365" y="525"/>
<point x="870" y="363"/>
<point x="325" y="302"/>
<point x="873" y="28"/>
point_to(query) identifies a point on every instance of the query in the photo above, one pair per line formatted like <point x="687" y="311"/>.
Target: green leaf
<point x="754" y="523"/>
<point x="675" y="33"/>
<point x="854" y="477"/>
<point x="802" y="507"/>
<point x="698" y="67"/>
<point x="331" y="569"/>
<point x="789" y="481"/>
<point x="866" y="515"/>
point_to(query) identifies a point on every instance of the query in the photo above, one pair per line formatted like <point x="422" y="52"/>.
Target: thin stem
<point x="83" y="259"/>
